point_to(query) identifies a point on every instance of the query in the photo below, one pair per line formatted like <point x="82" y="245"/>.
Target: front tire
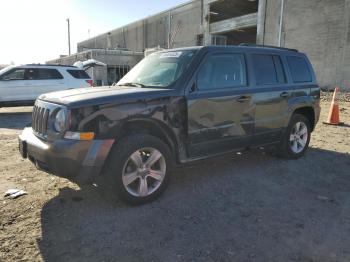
<point x="138" y="168"/>
<point x="295" y="140"/>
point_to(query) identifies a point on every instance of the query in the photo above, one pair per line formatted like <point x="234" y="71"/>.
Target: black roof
<point x="254" y="46"/>
<point x="270" y="46"/>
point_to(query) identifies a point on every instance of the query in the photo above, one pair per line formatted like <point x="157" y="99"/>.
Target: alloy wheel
<point x="298" y="137"/>
<point x="144" y="172"/>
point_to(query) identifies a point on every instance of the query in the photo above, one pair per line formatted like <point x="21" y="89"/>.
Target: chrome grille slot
<point x="37" y="120"/>
<point x="34" y="117"/>
<point x="40" y="117"/>
<point x="41" y="120"/>
<point x="45" y="120"/>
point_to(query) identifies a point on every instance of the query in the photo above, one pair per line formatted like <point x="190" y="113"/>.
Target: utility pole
<point x="281" y="24"/>
<point x="68" y="35"/>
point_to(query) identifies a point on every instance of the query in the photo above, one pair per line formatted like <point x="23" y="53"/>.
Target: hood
<point x="103" y="95"/>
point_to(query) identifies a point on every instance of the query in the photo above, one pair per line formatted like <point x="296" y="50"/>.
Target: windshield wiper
<point x="132" y="84"/>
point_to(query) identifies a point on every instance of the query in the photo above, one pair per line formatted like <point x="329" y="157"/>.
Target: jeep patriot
<point x="175" y="106"/>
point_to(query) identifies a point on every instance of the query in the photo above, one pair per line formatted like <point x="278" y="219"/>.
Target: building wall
<point x="321" y="29"/>
<point x="154" y="31"/>
<point x="109" y="57"/>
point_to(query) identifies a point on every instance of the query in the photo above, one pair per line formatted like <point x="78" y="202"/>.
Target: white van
<point x="21" y="85"/>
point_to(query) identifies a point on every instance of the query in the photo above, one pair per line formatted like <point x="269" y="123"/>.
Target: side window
<point x="222" y="71"/>
<point x="48" y="74"/>
<point x="268" y="70"/>
<point x="281" y="76"/>
<point x="31" y="74"/>
<point x="15" y="74"/>
<point x="299" y="69"/>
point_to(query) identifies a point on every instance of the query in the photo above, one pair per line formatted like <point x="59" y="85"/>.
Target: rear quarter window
<point x="299" y="69"/>
<point x="79" y="74"/>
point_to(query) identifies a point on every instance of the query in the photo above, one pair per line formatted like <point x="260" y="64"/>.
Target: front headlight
<point x="61" y="121"/>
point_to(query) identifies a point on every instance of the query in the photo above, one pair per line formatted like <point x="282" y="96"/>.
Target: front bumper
<point x="79" y="161"/>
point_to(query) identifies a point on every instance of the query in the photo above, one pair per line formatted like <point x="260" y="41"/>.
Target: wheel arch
<point x="308" y="112"/>
<point x="152" y="127"/>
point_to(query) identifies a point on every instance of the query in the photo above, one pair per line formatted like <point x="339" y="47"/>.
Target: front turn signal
<point x="79" y="135"/>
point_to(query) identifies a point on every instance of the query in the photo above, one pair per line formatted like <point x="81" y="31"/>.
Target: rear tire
<point x="138" y="168"/>
<point x="296" y="138"/>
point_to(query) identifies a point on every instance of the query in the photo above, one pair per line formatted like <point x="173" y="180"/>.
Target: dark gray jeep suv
<point x="174" y="107"/>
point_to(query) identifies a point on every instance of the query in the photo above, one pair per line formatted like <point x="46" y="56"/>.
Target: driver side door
<point x="14" y="86"/>
<point x="220" y="112"/>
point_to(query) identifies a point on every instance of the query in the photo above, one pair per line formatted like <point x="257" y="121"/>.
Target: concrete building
<point x="319" y="28"/>
<point x="118" y="61"/>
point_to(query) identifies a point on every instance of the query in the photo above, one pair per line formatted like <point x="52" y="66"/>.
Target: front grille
<point x="40" y="119"/>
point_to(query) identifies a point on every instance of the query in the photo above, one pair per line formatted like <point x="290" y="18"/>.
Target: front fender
<point x="168" y="115"/>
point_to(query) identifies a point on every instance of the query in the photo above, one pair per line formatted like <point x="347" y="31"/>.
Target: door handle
<point x="242" y="99"/>
<point x="284" y="94"/>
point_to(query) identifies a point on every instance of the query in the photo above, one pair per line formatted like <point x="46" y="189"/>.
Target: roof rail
<point x="270" y="46"/>
<point x="49" y="65"/>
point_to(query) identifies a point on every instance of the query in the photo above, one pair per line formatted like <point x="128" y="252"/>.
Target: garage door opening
<point x="236" y="37"/>
<point x="226" y="9"/>
<point x="117" y="72"/>
<point x="233" y="22"/>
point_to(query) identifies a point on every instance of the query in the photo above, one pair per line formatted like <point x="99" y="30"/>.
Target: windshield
<point x="4" y="70"/>
<point x="159" y="69"/>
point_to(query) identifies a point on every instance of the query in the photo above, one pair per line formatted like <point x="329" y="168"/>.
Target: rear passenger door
<point x="220" y="116"/>
<point x="271" y="94"/>
<point x="47" y="80"/>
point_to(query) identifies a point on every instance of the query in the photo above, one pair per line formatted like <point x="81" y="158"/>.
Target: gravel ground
<point x="239" y="207"/>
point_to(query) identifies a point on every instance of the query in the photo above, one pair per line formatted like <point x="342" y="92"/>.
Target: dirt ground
<point x="239" y="207"/>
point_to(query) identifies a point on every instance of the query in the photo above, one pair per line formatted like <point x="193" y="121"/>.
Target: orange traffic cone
<point x="333" y="116"/>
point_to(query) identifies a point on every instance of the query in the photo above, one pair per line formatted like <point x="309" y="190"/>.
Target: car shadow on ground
<point x="247" y="207"/>
<point x="17" y="119"/>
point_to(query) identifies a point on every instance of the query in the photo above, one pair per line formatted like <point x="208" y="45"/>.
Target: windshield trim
<point x="137" y="85"/>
